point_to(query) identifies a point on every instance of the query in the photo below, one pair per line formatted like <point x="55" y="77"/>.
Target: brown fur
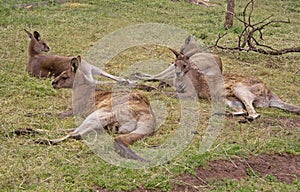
<point x="243" y="93"/>
<point x="41" y="65"/>
<point x="135" y="117"/>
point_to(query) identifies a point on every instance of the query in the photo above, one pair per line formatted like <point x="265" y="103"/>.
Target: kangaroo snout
<point x="178" y="74"/>
<point x="46" y="48"/>
<point x="54" y="84"/>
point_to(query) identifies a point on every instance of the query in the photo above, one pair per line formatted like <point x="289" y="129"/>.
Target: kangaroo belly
<point x="130" y="110"/>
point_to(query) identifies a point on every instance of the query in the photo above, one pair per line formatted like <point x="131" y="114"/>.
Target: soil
<point x="284" y="167"/>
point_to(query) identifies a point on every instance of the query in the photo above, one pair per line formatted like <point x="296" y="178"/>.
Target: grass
<point x="71" y="29"/>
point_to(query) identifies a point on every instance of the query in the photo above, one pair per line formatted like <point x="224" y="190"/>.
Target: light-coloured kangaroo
<point x="130" y="110"/>
<point x="243" y="93"/>
<point x="167" y="76"/>
<point x="66" y="79"/>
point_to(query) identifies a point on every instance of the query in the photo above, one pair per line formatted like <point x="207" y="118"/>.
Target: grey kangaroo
<point x="135" y="121"/>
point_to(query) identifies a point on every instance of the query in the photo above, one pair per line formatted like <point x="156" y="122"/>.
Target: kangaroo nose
<point x="54" y="83"/>
<point x="178" y="74"/>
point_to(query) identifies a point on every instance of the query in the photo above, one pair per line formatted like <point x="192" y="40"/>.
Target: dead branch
<point x="246" y="39"/>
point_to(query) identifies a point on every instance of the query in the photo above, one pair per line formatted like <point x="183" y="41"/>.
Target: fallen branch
<point x="246" y="40"/>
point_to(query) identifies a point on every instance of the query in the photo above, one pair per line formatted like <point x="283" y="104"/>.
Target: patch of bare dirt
<point x="285" y="167"/>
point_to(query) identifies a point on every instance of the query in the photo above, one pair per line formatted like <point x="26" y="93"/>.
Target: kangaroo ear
<point x="28" y="33"/>
<point x="177" y="54"/>
<point x="74" y="64"/>
<point x="37" y="36"/>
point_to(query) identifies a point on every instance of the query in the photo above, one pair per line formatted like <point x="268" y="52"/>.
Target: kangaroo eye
<point x="184" y="66"/>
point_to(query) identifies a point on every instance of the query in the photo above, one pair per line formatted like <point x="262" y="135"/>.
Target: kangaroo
<point x="167" y="76"/>
<point x="243" y="93"/>
<point x="67" y="77"/>
<point x="40" y="65"/>
<point x="135" y="121"/>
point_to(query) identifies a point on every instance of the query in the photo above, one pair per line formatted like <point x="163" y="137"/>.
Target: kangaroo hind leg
<point x="243" y="93"/>
<point x="237" y="106"/>
<point x="145" y="126"/>
<point x="164" y="75"/>
<point x="122" y="142"/>
<point x="95" y="121"/>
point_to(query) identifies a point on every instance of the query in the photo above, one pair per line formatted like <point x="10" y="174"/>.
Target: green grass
<point x="27" y="102"/>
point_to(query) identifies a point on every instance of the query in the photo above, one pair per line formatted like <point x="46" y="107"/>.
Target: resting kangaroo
<point x="135" y="121"/>
<point x="168" y="75"/>
<point x="243" y="93"/>
<point x="41" y="65"/>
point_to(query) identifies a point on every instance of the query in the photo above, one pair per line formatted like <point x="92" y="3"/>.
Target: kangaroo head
<point x="182" y="63"/>
<point x="37" y="45"/>
<point x="66" y="78"/>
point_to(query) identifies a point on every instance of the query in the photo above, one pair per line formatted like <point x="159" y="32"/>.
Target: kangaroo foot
<point x="56" y="141"/>
<point x="253" y="117"/>
<point x="233" y="114"/>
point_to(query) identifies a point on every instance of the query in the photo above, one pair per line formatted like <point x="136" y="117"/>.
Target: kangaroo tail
<point x="122" y="143"/>
<point x="278" y="103"/>
<point x="126" y="152"/>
